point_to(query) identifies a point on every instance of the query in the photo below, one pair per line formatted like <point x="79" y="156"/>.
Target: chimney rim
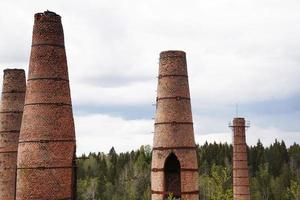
<point x="239" y="118"/>
<point x="173" y="53"/>
<point x="13" y="69"/>
<point x="47" y="16"/>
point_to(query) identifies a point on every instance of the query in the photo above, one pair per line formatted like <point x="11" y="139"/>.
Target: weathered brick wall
<point x="47" y="137"/>
<point x="174" y="131"/>
<point x="11" y="110"/>
<point x="240" y="161"/>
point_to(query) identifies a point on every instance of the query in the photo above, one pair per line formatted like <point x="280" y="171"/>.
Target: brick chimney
<point x="240" y="162"/>
<point x="11" y="111"/>
<point x="174" y="159"/>
<point x="46" y="155"/>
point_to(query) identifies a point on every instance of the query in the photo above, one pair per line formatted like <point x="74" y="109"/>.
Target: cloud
<point x="238" y="54"/>
<point x="266" y="135"/>
<point x="139" y="93"/>
<point x="269" y="134"/>
<point x="100" y="132"/>
<point x="244" y="52"/>
<point x="240" y="51"/>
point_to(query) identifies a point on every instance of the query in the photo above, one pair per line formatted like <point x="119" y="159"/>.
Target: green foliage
<point x="217" y="185"/>
<point x="171" y="197"/>
<point x="261" y="183"/>
<point x="274" y="171"/>
<point x="115" y="176"/>
<point x="294" y="191"/>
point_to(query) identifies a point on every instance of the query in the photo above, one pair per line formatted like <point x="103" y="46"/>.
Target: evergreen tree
<point x="126" y="176"/>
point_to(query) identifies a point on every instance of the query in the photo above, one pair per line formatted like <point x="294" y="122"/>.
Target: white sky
<point x="244" y="52"/>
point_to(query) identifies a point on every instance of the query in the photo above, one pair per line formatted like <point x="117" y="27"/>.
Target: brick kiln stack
<point x="174" y="162"/>
<point x="240" y="161"/>
<point x="11" y="111"/>
<point x="46" y="155"/>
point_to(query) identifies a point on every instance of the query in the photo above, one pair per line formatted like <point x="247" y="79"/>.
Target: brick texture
<point x="46" y="154"/>
<point x="240" y="162"/>
<point x="11" y="110"/>
<point x="174" y="133"/>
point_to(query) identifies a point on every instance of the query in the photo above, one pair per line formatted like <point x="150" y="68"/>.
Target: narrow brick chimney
<point x="46" y="154"/>
<point x="240" y="162"/>
<point x="11" y="111"/>
<point x="174" y="160"/>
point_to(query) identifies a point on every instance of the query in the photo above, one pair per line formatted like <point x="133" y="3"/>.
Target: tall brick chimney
<point x="46" y="154"/>
<point x="240" y="162"/>
<point x="11" y="111"/>
<point x="174" y="160"/>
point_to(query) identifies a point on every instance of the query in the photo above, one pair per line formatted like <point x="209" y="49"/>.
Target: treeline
<point x="274" y="173"/>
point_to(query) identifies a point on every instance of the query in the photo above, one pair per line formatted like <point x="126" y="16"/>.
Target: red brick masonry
<point x="174" y="133"/>
<point x="11" y="111"/>
<point x="47" y="138"/>
<point x="240" y="161"/>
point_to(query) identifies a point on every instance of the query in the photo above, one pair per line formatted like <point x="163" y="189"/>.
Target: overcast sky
<point x="245" y="52"/>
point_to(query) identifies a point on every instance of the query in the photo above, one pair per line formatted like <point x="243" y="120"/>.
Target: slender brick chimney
<point x="240" y="162"/>
<point x="46" y="153"/>
<point x="174" y="161"/>
<point x="11" y="111"/>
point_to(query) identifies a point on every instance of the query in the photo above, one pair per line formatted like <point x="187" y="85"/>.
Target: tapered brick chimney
<point x="240" y="162"/>
<point x="46" y="153"/>
<point x="11" y="111"/>
<point x="174" y="161"/>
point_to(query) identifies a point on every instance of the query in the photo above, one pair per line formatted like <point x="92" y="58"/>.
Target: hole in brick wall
<point x="172" y="176"/>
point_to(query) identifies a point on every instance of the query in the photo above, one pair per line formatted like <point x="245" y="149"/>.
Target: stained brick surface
<point x="11" y="110"/>
<point x="240" y="162"/>
<point x="168" y="135"/>
<point x="47" y="137"/>
<point x="174" y="131"/>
